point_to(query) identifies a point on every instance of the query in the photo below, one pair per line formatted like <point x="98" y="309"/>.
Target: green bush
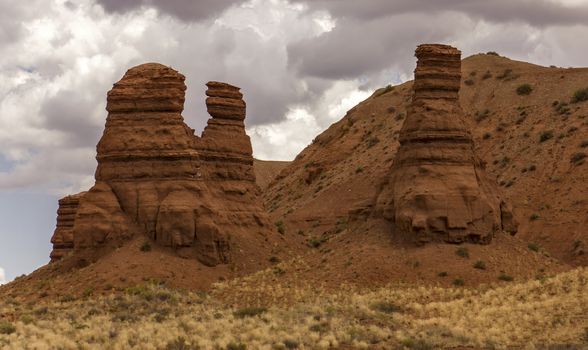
<point x="280" y="226"/>
<point x="7" y="327"/>
<point x="145" y="247"/>
<point x="524" y="89"/>
<point x="463" y="252"/>
<point x="577" y="157"/>
<point x="546" y="135"/>
<point x="533" y="246"/>
<point x="480" y="265"/>
<point x="505" y="277"/>
<point x="385" y="307"/>
<point x="458" y="282"/>
<point x="580" y="95"/>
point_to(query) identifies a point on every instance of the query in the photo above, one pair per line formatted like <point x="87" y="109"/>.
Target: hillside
<point x="532" y="144"/>
<point x="267" y="170"/>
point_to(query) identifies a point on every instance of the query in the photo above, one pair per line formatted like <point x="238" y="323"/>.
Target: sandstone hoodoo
<point x="155" y="178"/>
<point x="62" y="239"/>
<point x="437" y="189"/>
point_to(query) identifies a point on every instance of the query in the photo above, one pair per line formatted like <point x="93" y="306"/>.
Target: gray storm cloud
<point x="535" y="12"/>
<point x="187" y="10"/>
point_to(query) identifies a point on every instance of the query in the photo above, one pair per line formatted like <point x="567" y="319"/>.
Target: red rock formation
<point x="155" y="178"/>
<point x="63" y="240"/>
<point x="437" y="189"/>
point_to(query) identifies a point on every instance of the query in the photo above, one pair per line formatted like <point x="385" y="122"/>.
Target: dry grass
<point x="532" y="314"/>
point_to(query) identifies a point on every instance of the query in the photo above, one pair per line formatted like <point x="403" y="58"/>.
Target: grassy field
<point x="252" y="313"/>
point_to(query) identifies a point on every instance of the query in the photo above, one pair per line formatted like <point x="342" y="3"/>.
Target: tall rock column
<point x="437" y="189"/>
<point x="225" y="145"/>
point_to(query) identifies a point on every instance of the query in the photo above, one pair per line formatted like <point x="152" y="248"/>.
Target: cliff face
<point x="155" y="178"/>
<point x="437" y="189"/>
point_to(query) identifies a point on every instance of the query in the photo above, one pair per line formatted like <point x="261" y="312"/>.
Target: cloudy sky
<point x="300" y="63"/>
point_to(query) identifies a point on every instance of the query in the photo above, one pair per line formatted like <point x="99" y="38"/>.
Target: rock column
<point x="437" y="189"/>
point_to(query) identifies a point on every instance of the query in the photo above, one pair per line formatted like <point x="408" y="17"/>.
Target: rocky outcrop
<point x="437" y="189"/>
<point x="62" y="239"/>
<point x="156" y="178"/>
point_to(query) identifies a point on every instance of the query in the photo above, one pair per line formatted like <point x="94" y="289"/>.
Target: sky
<point x="301" y="65"/>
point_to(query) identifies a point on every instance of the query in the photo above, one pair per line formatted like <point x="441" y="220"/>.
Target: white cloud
<point x="2" y="276"/>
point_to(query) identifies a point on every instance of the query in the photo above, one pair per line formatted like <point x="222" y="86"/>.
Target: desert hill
<point x="319" y="204"/>
<point x="526" y="129"/>
<point x="267" y="170"/>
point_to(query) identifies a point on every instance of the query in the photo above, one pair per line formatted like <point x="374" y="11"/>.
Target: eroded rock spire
<point x="437" y="189"/>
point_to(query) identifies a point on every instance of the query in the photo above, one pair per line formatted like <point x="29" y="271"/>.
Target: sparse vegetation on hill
<point x="540" y="312"/>
<point x="580" y="95"/>
<point x="524" y="89"/>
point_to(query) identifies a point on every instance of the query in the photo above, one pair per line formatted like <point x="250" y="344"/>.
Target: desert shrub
<point x="319" y="327"/>
<point x="458" y="282"/>
<point x="534" y="217"/>
<point x="359" y="169"/>
<point x="249" y="312"/>
<point x="577" y="157"/>
<point x="291" y="344"/>
<point x="274" y="259"/>
<point x="7" y="327"/>
<point x="562" y="108"/>
<point x="492" y="53"/>
<point x="280" y="226"/>
<point x="524" y="89"/>
<point x="584" y="144"/>
<point x="469" y="82"/>
<point x="178" y="344"/>
<point x="145" y="247"/>
<point x="481" y="115"/>
<point x="507" y="75"/>
<point x="372" y="141"/>
<point x="480" y="265"/>
<point x="67" y="298"/>
<point x="442" y="274"/>
<point x="385" y="307"/>
<point x="580" y="95"/>
<point x="487" y="75"/>
<point x="315" y="242"/>
<point x="505" y="277"/>
<point x="546" y="135"/>
<point x="533" y="246"/>
<point x="384" y="90"/>
<point x="463" y="252"/>
<point x="416" y="344"/>
<point x="236" y="346"/>
<point x="88" y="292"/>
<point x="486" y="136"/>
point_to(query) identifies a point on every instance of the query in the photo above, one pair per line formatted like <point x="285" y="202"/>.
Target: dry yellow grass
<point x="533" y="314"/>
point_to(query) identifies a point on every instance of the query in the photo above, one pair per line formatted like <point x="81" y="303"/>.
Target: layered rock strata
<point x="62" y="239"/>
<point x="156" y="178"/>
<point x="437" y="189"/>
